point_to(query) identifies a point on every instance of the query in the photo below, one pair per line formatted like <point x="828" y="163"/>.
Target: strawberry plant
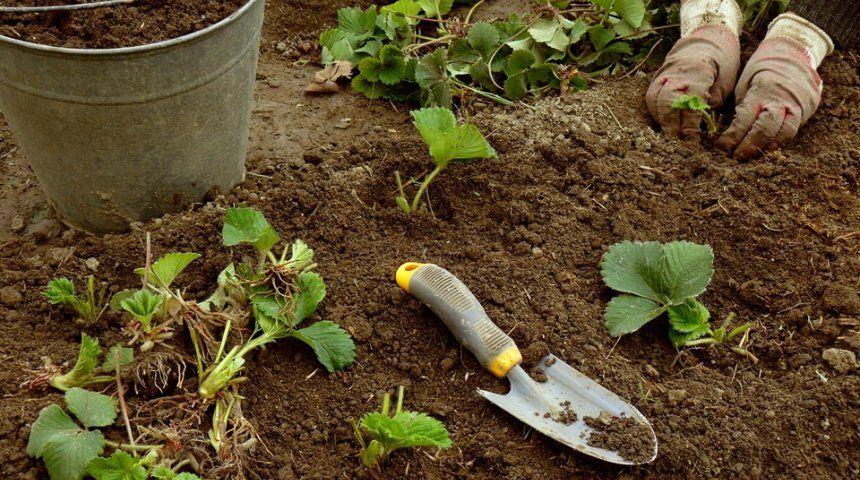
<point x="72" y="449"/>
<point x="694" y="103"/>
<point x="281" y="292"/>
<point x="84" y="372"/>
<point x="448" y="142"/>
<point x="401" y="429"/>
<point x="61" y="291"/>
<point x="410" y="51"/>
<point x="657" y="278"/>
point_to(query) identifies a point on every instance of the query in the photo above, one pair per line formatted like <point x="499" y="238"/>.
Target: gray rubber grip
<point x="461" y="312"/>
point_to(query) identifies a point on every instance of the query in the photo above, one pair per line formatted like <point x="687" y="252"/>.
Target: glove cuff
<point x="817" y="43"/>
<point x="699" y="13"/>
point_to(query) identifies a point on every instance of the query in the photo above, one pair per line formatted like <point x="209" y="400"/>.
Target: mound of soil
<point x="139" y="23"/>
<point x="525" y="232"/>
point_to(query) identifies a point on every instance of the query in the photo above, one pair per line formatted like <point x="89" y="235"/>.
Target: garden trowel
<point x="556" y="407"/>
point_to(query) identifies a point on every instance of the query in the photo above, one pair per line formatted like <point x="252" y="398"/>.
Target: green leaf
<point x="481" y="74"/>
<point x="119" y="466"/>
<point x="405" y="430"/>
<point x="53" y="424"/>
<point x="311" y="292"/>
<point x="357" y="22"/>
<point x="577" y="31"/>
<point x="519" y="61"/>
<point x="186" y="476"/>
<point x="371" y="454"/>
<point x="370" y="89"/>
<point x="688" y="271"/>
<point x="447" y="140"/>
<point x="550" y="32"/>
<point x="436" y="8"/>
<point x="631" y="11"/>
<point x="91" y="408"/>
<point x="248" y="225"/>
<point x="404" y="7"/>
<point x="689" y="316"/>
<point x="85" y="366"/>
<point x="332" y="344"/>
<point x="627" y="313"/>
<point x="67" y="458"/>
<point x="600" y="36"/>
<point x="431" y="74"/>
<point x="168" y="267"/>
<point x="143" y="305"/>
<point x="60" y="291"/>
<point x="118" y="297"/>
<point x="389" y="67"/>
<point x="516" y="86"/>
<point x="301" y="255"/>
<point x="678" y="338"/>
<point x="484" y="38"/>
<point x="635" y="267"/>
<point x="690" y="102"/>
<point x="125" y="355"/>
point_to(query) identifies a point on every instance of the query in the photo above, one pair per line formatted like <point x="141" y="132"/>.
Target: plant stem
<point x="429" y="178"/>
<point x="701" y="341"/>
<point x="134" y="448"/>
<point x="471" y="11"/>
<point x="99" y="379"/>
<point x="148" y="264"/>
<point x="122" y="405"/>
<point x="386" y="404"/>
<point x="196" y="351"/>
<point x="491" y="96"/>
<point x="418" y="46"/>
<point x="399" y="399"/>
<point x="224" y="339"/>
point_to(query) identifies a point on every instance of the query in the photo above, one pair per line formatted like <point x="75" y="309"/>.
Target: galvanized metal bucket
<point x="126" y="134"/>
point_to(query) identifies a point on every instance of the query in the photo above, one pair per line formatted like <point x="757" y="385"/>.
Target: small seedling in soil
<point x="694" y="103"/>
<point x="724" y="336"/>
<point x="656" y="278"/>
<point x="61" y="291"/>
<point x="83" y="374"/>
<point x="448" y="142"/>
<point x="154" y="308"/>
<point x="402" y="429"/>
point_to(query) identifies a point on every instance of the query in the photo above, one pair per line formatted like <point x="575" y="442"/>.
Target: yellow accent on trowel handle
<point x="404" y="274"/>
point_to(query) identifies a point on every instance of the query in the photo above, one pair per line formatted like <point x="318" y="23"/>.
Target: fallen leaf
<point x="325" y="81"/>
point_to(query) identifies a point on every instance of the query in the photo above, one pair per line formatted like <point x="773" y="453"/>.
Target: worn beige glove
<point x="704" y="62"/>
<point x="779" y="88"/>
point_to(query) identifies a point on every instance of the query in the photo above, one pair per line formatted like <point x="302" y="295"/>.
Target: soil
<point x="631" y="439"/>
<point x="525" y="231"/>
<point x="140" y="23"/>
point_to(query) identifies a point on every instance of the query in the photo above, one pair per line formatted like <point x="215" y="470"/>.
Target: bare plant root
<point x="159" y="373"/>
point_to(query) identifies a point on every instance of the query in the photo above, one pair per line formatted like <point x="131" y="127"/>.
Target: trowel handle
<point x="464" y="316"/>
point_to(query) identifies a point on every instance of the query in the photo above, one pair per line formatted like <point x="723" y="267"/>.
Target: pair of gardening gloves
<point x="778" y="90"/>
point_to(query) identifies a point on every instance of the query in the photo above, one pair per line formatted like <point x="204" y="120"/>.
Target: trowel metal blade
<point x="529" y="401"/>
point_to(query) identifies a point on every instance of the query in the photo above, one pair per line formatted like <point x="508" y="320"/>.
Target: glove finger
<point x="691" y="123"/>
<point x="788" y="130"/>
<point x="745" y="116"/>
<point x="653" y="93"/>
<point x="760" y="136"/>
<point x="668" y="117"/>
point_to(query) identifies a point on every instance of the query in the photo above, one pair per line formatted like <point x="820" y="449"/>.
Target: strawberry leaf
<point x="627" y="313"/>
<point x="331" y="343"/>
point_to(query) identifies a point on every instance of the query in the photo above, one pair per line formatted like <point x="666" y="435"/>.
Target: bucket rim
<point x="149" y="47"/>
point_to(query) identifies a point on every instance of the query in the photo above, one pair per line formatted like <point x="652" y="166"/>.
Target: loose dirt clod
<point x="843" y="361"/>
<point x="631" y="439"/>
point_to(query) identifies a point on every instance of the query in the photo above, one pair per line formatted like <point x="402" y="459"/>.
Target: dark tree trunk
<point x="839" y="18"/>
